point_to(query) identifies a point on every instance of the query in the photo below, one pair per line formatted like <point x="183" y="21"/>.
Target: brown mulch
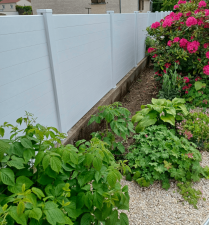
<point x="141" y="92"/>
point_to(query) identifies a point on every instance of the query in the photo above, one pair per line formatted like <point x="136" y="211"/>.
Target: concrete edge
<point x="80" y="130"/>
<point x="206" y="222"/>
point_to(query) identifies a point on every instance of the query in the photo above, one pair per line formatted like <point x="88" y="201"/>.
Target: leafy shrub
<point x="182" y="37"/>
<point x="171" y="87"/>
<point x="196" y="127"/>
<point x="167" y="5"/>
<point x="150" y="41"/>
<point x="160" y="111"/>
<point x="59" y="184"/>
<point x="118" y="123"/>
<point x="24" y="10"/>
<point x="196" y="93"/>
<point x="158" y="154"/>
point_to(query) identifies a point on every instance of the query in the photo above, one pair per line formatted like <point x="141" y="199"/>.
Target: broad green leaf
<point x="111" y="178"/>
<point x="169" y="119"/>
<point x="7" y="176"/>
<point x="56" y="164"/>
<point x="74" y="157"/>
<point x="171" y="111"/>
<point x="158" y="101"/>
<point x="20" y="208"/>
<point x="35" y="213"/>
<point x="97" y="163"/>
<point x="198" y="85"/>
<point x="3" y="148"/>
<point x="114" y="217"/>
<point x="136" y="118"/>
<point x="184" y="109"/>
<point x="88" y="199"/>
<point x="178" y="100"/>
<point x="88" y="159"/>
<point x="86" y="219"/>
<point x="39" y="157"/>
<point x="2" y="131"/>
<point x="97" y="200"/>
<point x="38" y="192"/>
<point x="17" y="188"/>
<point x="46" y="161"/>
<point x="44" y="179"/>
<point x="26" y="143"/>
<point x="28" y="154"/>
<point x="20" y="219"/>
<point x="54" y="215"/>
<point x="124" y="219"/>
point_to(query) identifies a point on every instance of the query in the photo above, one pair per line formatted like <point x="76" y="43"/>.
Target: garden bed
<point x="155" y="205"/>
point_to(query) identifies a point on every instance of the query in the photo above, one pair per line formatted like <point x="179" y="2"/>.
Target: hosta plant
<point x="160" y="111"/>
<point x="158" y="154"/>
<point x="117" y="124"/>
<point x="196" y="127"/>
<point x="43" y="182"/>
<point x="182" y="37"/>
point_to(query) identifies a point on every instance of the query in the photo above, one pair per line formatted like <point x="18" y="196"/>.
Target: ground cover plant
<point x="118" y="124"/>
<point x="158" y="154"/>
<point x="42" y="182"/>
<point x="160" y="111"/>
<point x="182" y="37"/>
<point x="196" y="127"/>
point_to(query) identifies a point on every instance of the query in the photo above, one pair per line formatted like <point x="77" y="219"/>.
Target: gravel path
<point x="154" y="205"/>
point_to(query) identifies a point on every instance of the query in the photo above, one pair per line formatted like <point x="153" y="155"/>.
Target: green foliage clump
<point x="171" y="87"/>
<point x="118" y="123"/>
<point x="189" y="194"/>
<point x="160" y="111"/>
<point x="196" y="127"/>
<point x="198" y="94"/>
<point x="43" y="183"/>
<point x="149" y="41"/>
<point x="158" y="154"/>
<point x="24" y="10"/>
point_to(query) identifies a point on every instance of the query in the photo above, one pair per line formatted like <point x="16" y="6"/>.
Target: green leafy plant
<point x="160" y="111"/>
<point x="158" y="154"/>
<point x="197" y="93"/>
<point x="189" y="194"/>
<point x="171" y="87"/>
<point x="43" y="182"/>
<point x="118" y="123"/>
<point x="196" y="127"/>
<point x="149" y="41"/>
<point x="24" y="10"/>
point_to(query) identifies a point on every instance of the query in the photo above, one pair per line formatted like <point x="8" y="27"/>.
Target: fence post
<point x="56" y="79"/>
<point x="162" y="15"/>
<point x="136" y="37"/>
<point x="112" y="52"/>
<point x="156" y="14"/>
<point x="148" y="18"/>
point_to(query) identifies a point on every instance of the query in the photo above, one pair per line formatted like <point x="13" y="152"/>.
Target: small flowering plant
<point x="182" y="37"/>
<point x="158" y="154"/>
<point x="196" y="92"/>
<point x="196" y="127"/>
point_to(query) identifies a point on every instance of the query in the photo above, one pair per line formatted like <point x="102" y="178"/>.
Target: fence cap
<point x="109" y="12"/>
<point x="41" y="11"/>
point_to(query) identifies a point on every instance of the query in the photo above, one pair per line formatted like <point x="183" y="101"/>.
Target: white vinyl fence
<point x="59" y="66"/>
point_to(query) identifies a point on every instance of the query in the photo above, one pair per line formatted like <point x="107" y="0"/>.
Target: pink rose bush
<point x="181" y="36"/>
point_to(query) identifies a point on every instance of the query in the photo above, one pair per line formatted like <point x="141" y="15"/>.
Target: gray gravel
<point x="154" y="205"/>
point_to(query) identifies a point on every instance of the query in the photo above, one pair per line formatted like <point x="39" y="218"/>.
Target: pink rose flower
<point x="175" y="7"/>
<point x="202" y="4"/>
<point x="154" y="56"/>
<point x="183" y="42"/>
<point x="207" y="55"/>
<point x="176" y="39"/>
<point x="207" y="12"/>
<point x="196" y="11"/>
<point x="206" y="45"/>
<point x="167" y="22"/>
<point x="169" y="43"/>
<point x="191" y="21"/>
<point x="186" y="79"/>
<point x="155" y="25"/>
<point x="167" y="65"/>
<point x="188" y="14"/>
<point x="182" y="2"/>
<point x="206" y="70"/>
<point x="192" y="47"/>
<point x="151" y="50"/>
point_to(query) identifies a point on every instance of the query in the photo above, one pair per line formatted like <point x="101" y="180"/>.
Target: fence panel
<point x="25" y="71"/>
<point x="123" y="45"/>
<point x="66" y="63"/>
<point x="142" y="33"/>
<point x="84" y="57"/>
